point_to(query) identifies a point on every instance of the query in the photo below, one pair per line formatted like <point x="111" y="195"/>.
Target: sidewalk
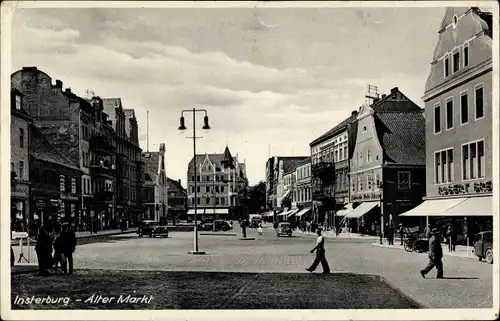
<point x="331" y="234"/>
<point x="460" y="250"/>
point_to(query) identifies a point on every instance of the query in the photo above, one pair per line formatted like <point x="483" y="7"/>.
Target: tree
<point x="257" y="198"/>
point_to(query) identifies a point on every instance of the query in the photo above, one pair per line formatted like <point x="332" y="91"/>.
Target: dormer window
<point x="18" y="102"/>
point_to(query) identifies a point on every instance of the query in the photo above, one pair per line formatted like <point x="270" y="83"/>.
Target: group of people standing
<point x="55" y="246"/>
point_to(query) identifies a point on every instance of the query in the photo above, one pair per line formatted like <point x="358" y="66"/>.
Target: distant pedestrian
<point x="68" y="239"/>
<point x="308" y="227"/>
<point x="435" y="255"/>
<point x="390" y="234"/>
<point x="275" y="225"/>
<point x="373" y="229"/>
<point x="427" y="231"/>
<point x="401" y="232"/>
<point x="259" y="230"/>
<point x="320" y="255"/>
<point x="452" y="238"/>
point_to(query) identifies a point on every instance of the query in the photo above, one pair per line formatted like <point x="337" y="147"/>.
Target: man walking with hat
<point x="320" y="254"/>
<point x="435" y="255"/>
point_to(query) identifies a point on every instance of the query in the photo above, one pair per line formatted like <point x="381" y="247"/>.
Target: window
<point x="479" y="102"/>
<point x="62" y="183"/>
<point x="197" y="178"/>
<point x="208" y="201"/>
<point x="369" y="182"/>
<point x="364" y="129"/>
<point x="369" y="157"/>
<point x="207" y="189"/>
<point x="217" y="189"/>
<point x="223" y="201"/>
<point x="465" y="162"/>
<point x="377" y="180"/>
<point x="451" y="168"/>
<point x="443" y="166"/>
<point x="198" y="200"/>
<point x="437" y="167"/>
<point x="464" y="108"/>
<point x="466" y="54"/>
<point x="404" y="180"/>
<point x="21" y="169"/>
<point x="446" y="65"/>
<point x="198" y="189"/>
<point x="73" y="185"/>
<point x="217" y="201"/>
<point x="21" y="137"/>
<point x="18" y="102"/>
<point x="437" y="118"/>
<point x="481" y="169"/>
<point x="345" y="152"/>
<point x="360" y="159"/>
<point x="192" y="178"/>
<point x="449" y="113"/>
<point x="222" y="189"/>
<point x="456" y="61"/>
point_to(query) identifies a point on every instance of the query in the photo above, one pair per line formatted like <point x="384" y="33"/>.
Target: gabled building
<point x="177" y="200"/>
<point x="458" y="123"/>
<point x="387" y="169"/>
<point x="155" y="187"/>
<point x="221" y="186"/>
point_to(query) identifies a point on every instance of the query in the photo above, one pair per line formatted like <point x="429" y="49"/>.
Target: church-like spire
<point x="227" y="158"/>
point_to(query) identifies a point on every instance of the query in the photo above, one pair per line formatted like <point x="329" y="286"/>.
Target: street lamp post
<point x="205" y="127"/>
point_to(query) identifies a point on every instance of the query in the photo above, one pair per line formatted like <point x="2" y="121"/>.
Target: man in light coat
<point x="435" y="255"/>
<point x="320" y="255"/>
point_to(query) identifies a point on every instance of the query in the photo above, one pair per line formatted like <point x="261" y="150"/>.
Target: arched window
<point x="369" y="156"/>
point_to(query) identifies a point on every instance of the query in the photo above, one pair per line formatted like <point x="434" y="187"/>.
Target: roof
<point x="109" y="105"/>
<point x="151" y="164"/>
<point x="227" y="157"/>
<point x="175" y="185"/>
<point x="402" y="135"/>
<point x="42" y="149"/>
<point x="339" y="127"/>
<point x="290" y="164"/>
<point x="129" y="113"/>
<point x="399" y="103"/>
<point x="216" y="159"/>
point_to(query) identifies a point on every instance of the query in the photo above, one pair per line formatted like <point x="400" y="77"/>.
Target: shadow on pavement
<point x="211" y="290"/>
<point x="460" y="278"/>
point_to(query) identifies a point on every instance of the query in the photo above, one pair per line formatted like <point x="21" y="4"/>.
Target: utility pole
<point x="371" y="94"/>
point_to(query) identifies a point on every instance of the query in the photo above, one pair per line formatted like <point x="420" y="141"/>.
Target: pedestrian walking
<point x="320" y="255"/>
<point x="390" y="236"/>
<point x="452" y="238"/>
<point x="68" y="239"/>
<point x="401" y="232"/>
<point x="308" y="227"/>
<point x="43" y="249"/>
<point x="427" y="231"/>
<point x="435" y="255"/>
<point x="373" y="229"/>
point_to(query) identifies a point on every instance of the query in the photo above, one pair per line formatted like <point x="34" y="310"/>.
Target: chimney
<point x="354" y="113"/>
<point x="30" y="68"/>
<point x="395" y="89"/>
<point x="59" y="84"/>
<point x="375" y="100"/>
<point x="179" y="181"/>
<point x="68" y="90"/>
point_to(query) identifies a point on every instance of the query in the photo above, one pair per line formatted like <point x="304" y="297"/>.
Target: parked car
<point x="483" y="246"/>
<point x="220" y="225"/>
<point x="284" y="229"/>
<point x="158" y="230"/>
<point x="147" y="227"/>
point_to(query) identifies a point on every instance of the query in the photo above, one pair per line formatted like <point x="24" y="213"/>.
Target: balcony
<point x="324" y="170"/>
<point x="103" y="197"/>
<point x="102" y="167"/>
<point x="102" y="144"/>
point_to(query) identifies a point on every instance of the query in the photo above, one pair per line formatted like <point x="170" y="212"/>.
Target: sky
<point x="272" y="80"/>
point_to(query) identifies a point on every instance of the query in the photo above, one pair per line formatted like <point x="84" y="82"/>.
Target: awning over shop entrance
<point x="435" y="207"/>
<point x="209" y="211"/>
<point x="472" y="206"/>
<point x="304" y="211"/>
<point x="344" y="212"/>
<point x="285" y="213"/>
<point x="268" y="214"/>
<point x="361" y="210"/>
<point x="292" y="212"/>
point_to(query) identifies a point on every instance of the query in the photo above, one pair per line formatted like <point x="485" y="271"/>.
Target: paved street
<point x="467" y="283"/>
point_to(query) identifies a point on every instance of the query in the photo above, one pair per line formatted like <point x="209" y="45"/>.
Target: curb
<point x="219" y="234"/>
<point x="444" y="252"/>
<point x="24" y="270"/>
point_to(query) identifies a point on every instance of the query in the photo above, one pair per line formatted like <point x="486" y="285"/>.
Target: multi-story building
<point x="221" y="186"/>
<point x="78" y="127"/>
<point x="129" y="163"/>
<point x="458" y="122"/>
<point x="177" y="200"/>
<point x="20" y="123"/>
<point x="288" y="188"/>
<point x="330" y="154"/>
<point x="302" y="196"/>
<point x="155" y="187"/>
<point x="387" y="169"/>
<point x="276" y="167"/>
<point x="55" y="182"/>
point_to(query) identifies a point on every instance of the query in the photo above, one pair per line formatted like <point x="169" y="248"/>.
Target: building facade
<point x="20" y="124"/>
<point x="177" y="200"/>
<point x="221" y="186"/>
<point x="55" y="183"/>
<point x="387" y="169"/>
<point x="330" y="154"/>
<point x="458" y="113"/>
<point x="302" y="194"/>
<point x="155" y="189"/>
<point x="129" y="164"/>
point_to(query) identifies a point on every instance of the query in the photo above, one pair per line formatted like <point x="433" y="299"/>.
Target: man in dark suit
<point x="68" y="241"/>
<point x="435" y="255"/>
<point x="320" y="254"/>
<point x="43" y="249"/>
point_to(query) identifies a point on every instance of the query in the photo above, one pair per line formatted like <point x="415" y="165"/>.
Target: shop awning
<point x="361" y="210"/>
<point x="344" y="212"/>
<point x="304" y="211"/>
<point x="209" y="211"/>
<point x="292" y="212"/>
<point x="284" y="213"/>
<point x="435" y="207"/>
<point x="268" y="214"/>
<point x="472" y="206"/>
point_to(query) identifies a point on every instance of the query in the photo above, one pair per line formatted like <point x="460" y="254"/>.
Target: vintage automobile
<point x="152" y="228"/>
<point x="220" y="225"/>
<point x="483" y="246"/>
<point x="284" y="229"/>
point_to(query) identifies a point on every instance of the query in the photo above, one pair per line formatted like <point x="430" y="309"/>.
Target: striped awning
<point x="292" y="212"/>
<point x="304" y="211"/>
<point x="208" y="211"/>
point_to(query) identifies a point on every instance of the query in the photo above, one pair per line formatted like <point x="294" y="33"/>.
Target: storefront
<point x="20" y="206"/>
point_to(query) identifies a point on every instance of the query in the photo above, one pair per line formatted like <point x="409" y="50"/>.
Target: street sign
<point x="19" y="235"/>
